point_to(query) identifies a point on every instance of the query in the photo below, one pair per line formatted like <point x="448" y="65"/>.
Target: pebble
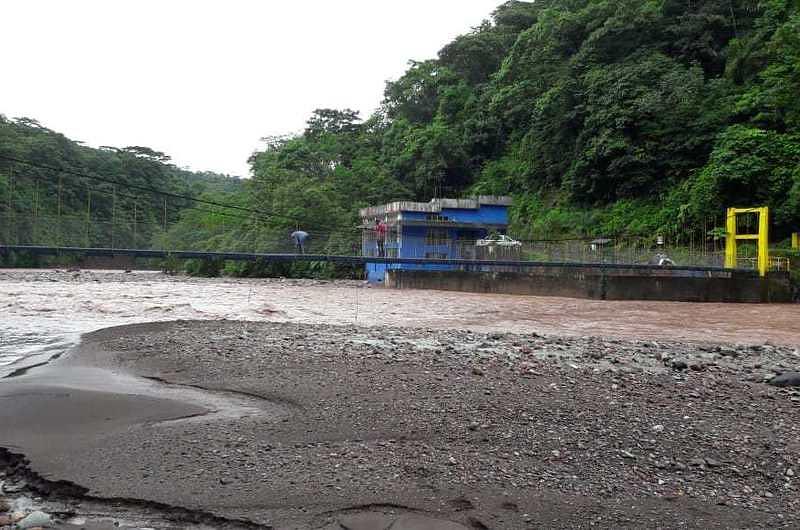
<point x="680" y="365"/>
<point x="14" y="488"/>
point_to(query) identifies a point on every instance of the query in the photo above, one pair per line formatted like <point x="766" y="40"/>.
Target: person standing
<point x="380" y="235"/>
<point x="299" y="237"/>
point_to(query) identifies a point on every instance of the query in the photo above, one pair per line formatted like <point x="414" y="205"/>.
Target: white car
<point x="500" y="241"/>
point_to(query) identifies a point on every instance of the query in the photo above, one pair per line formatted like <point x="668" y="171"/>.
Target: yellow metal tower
<point x="796" y="241"/>
<point x="732" y="238"/>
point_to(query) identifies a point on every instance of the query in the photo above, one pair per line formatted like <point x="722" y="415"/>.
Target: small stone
<point x="678" y="364"/>
<point x="696" y="462"/>
<point x="474" y="426"/>
<point x="556" y="453"/>
<point x="451" y="461"/>
<point x="14" y="488"/>
<point x="790" y="472"/>
<point x="477" y="371"/>
<point x="628" y="454"/>
<point x="658" y="428"/>
<point x="710" y="462"/>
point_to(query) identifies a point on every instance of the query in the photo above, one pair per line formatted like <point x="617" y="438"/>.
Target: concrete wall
<point x="663" y="284"/>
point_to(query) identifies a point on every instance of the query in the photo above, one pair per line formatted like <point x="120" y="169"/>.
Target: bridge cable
<point x="148" y="189"/>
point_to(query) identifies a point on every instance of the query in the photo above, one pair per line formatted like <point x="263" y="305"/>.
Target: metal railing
<point x="620" y="251"/>
<point x="23" y="228"/>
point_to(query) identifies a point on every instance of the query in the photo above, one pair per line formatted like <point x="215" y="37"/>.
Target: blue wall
<point x="494" y="215"/>
<point x="413" y="243"/>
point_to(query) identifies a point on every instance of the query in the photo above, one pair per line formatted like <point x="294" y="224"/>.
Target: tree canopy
<point x="679" y="108"/>
<point x="600" y="117"/>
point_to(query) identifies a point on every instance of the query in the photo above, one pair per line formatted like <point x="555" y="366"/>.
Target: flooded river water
<point x="45" y="312"/>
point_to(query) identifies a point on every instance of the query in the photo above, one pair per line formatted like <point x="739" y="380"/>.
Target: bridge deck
<point x="352" y="260"/>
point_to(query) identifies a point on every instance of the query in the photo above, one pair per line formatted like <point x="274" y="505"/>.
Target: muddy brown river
<point x="45" y="312"/>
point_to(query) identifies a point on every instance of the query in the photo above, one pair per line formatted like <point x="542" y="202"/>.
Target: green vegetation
<point x="51" y="207"/>
<point x="612" y="117"/>
<point x="601" y="118"/>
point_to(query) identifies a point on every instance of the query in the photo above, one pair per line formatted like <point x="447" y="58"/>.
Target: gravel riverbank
<point x="350" y="427"/>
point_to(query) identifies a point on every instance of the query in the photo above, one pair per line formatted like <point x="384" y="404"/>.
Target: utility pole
<point x="11" y="224"/>
<point x="113" y="212"/>
<point x="34" y="230"/>
<point x="60" y="226"/>
<point x="164" y="232"/>
<point x="88" y="213"/>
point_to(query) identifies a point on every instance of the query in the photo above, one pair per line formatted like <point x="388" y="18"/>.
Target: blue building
<point x="439" y="229"/>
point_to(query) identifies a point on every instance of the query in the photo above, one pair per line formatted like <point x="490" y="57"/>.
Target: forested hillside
<point x="600" y="117"/>
<point x="50" y="186"/>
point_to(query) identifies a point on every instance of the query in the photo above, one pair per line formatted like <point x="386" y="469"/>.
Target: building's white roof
<point x="435" y="205"/>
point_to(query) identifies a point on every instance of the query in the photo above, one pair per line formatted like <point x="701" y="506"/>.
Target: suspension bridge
<point x="52" y="212"/>
<point x="461" y="264"/>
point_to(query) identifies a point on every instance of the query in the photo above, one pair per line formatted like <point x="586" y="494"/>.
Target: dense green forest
<point x="56" y="191"/>
<point x="601" y="117"/>
<point x="612" y="117"/>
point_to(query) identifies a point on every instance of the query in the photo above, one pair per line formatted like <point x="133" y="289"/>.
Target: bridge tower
<point x="732" y="238"/>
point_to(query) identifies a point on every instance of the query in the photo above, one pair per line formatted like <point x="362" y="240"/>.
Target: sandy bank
<point x="482" y="430"/>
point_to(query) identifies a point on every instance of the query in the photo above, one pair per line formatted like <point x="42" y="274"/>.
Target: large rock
<point x="786" y="379"/>
<point x="35" y="519"/>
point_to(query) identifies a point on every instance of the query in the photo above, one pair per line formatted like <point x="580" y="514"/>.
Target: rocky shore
<point x="349" y="427"/>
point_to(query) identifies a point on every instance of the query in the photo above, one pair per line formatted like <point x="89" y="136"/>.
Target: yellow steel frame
<point x="732" y="238"/>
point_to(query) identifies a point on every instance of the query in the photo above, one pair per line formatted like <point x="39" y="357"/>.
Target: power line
<point x="148" y="189"/>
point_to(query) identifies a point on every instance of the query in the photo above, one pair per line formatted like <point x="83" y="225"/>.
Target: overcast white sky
<point x="204" y="80"/>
